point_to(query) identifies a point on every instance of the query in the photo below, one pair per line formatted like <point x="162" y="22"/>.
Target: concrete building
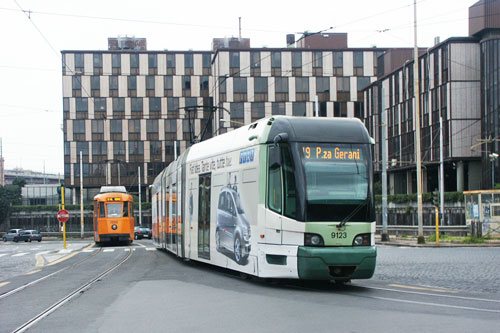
<point x="128" y="108"/>
<point x="458" y="80"/>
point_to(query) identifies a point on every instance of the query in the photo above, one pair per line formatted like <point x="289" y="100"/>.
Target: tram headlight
<point x="361" y="240"/>
<point x="114" y="227"/>
<point x="313" y="240"/>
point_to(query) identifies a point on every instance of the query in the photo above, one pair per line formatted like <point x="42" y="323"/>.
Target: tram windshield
<point x="337" y="181"/>
<point x="114" y="209"/>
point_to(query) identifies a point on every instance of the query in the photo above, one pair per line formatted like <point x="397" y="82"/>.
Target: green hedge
<point x="426" y="197"/>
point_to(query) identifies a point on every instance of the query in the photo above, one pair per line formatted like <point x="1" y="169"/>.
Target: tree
<point x="10" y="195"/>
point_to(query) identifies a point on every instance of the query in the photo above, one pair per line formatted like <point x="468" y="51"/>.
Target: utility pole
<point x="81" y="194"/>
<point x="140" y="207"/>
<point x="441" y="168"/>
<point x="420" y="238"/>
<point x="385" y="234"/>
<point x="316" y="107"/>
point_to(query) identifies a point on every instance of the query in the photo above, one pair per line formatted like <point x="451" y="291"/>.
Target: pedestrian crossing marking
<point x="88" y="250"/>
<point x="109" y="250"/>
<point x="20" y="254"/>
<point x="150" y="248"/>
<point x="3" y="254"/>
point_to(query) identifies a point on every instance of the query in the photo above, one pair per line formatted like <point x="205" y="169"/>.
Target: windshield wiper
<point x="348" y="217"/>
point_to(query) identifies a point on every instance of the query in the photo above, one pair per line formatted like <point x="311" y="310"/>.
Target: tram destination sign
<point x="63" y="215"/>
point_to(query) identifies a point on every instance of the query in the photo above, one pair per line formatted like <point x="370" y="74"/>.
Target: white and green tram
<point x="284" y="197"/>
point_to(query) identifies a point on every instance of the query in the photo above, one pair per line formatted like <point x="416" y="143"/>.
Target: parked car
<point x="142" y="232"/>
<point x="13" y="235"/>
<point x="31" y="235"/>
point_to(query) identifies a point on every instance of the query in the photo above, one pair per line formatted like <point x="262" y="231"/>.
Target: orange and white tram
<point x="113" y="215"/>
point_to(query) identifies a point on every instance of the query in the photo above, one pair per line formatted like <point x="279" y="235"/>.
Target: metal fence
<point x="47" y="222"/>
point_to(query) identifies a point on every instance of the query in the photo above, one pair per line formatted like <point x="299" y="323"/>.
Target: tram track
<point x="29" y="284"/>
<point x="28" y="324"/>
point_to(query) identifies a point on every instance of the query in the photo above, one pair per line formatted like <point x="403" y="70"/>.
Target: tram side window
<point x="289" y="180"/>
<point x="102" y="212"/>
<point x="274" y="195"/>
<point x="125" y="209"/>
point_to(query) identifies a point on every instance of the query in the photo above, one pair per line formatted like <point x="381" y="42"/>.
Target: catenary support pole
<point x="385" y="234"/>
<point x="441" y="169"/>
<point x="140" y="203"/>
<point x="81" y="194"/>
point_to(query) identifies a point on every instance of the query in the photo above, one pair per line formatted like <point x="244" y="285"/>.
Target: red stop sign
<point x="63" y="215"/>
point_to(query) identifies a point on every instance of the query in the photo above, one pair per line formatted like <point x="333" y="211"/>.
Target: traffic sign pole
<point x="64" y="223"/>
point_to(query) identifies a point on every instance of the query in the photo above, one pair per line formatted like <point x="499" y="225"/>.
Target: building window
<point x="119" y="104"/>
<point x="204" y="82"/>
<point x="116" y="61"/>
<point x="134" y="126"/>
<point x="169" y="83"/>
<point x="155" y="147"/>
<point x="82" y="104"/>
<point x="343" y="84"/>
<point x="152" y="61"/>
<point x="132" y="82"/>
<point x="299" y="109"/>
<point x="358" y="110"/>
<point x="67" y="148"/>
<point x="76" y="82"/>
<point x="155" y="104"/>
<point x="317" y="59"/>
<point x="79" y="61"/>
<point x="255" y="59"/>
<point x="82" y="146"/>
<point x="281" y="84"/>
<point x="338" y="63"/>
<point x="170" y="126"/>
<point x="302" y="85"/>
<point x="97" y="60"/>
<point x="152" y="126"/>
<point x="234" y="60"/>
<point x="134" y="61"/>
<point x="79" y="126"/>
<point x="113" y="83"/>
<point x="207" y="61"/>
<point x="150" y="85"/>
<point x="119" y="148"/>
<point x="97" y="126"/>
<point x="276" y="59"/>
<point x="340" y="109"/>
<point x="258" y="111"/>
<point x="95" y="83"/>
<point x="240" y="85"/>
<point x="171" y="60"/>
<point x="363" y="82"/>
<point x="279" y="108"/>
<point x="136" y="147"/>
<point x="222" y="85"/>
<point x="260" y="85"/>
<point x="237" y="111"/>
<point x="322" y="84"/>
<point x="136" y="104"/>
<point x="172" y="104"/>
<point x="99" y="148"/>
<point x="186" y="82"/>
<point x="116" y="126"/>
<point x="99" y="104"/>
<point x="297" y="59"/>
<point x="358" y="63"/>
<point x="188" y="60"/>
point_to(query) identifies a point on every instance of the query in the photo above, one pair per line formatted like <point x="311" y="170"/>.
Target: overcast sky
<point x="30" y="59"/>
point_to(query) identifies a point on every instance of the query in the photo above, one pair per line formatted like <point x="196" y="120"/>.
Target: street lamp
<point x="493" y="158"/>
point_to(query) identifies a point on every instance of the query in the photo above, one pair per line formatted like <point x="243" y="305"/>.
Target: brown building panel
<point x="483" y="16"/>
<point x="325" y="41"/>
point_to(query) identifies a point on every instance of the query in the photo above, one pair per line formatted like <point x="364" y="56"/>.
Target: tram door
<point x="204" y="216"/>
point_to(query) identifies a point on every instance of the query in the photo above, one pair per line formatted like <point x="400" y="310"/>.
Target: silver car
<point x="13" y="235"/>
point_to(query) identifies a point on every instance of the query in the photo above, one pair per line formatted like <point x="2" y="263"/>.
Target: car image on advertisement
<point x="233" y="228"/>
<point x="13" y="235"/>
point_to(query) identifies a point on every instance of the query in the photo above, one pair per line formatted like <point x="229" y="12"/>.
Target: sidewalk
<point x="412" y="242"/>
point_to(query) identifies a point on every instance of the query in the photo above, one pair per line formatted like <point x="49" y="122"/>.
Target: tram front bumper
<point x="114" y="237"/>
<point x="336" y="263"/>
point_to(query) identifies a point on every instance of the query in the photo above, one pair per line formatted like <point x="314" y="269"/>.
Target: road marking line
<point x="437" y="295"/>
<point x="433" y="304"/>
<point x="43" y="252"/>
<point x="126" y="250"/>
<point x="3" y="254"/>
<point x="33" y="272"/>
<point x="62" y="259"/>
<point x="3" y="284"/>
<point x="422" y="288"/>
<point x="40" y="261"/>
<point x="109" y="250"/>
<point x="64" y="251"/>
<point x="141" y="244"/>
<point x="88" y="250"/>
<point x="20" y="254"/>
<point x="151" y="249"/>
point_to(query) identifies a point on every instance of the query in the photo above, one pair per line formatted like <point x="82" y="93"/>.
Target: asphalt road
<point x="414" y="289"/>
